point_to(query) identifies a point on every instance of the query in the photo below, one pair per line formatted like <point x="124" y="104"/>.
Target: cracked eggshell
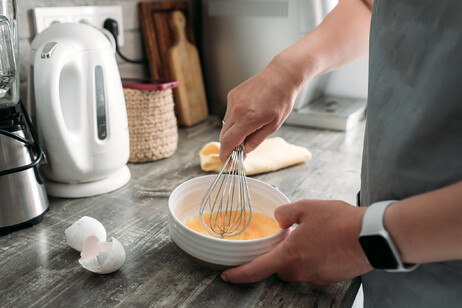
<point x="80" y="230"/>
<point x="102" y="257"/>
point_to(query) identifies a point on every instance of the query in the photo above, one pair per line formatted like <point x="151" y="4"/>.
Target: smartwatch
<point x="380" y="250"/>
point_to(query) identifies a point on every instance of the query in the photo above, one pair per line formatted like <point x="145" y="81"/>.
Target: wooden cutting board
<point x="185" y="67"/>
<point x="172" y="55"/>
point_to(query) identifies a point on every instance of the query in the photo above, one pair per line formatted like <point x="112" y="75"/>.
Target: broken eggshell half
<point x="102" y="257"/>
<point x="80" y="230"/>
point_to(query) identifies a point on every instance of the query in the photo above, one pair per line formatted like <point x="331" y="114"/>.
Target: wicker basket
<point x="151" y="120"/>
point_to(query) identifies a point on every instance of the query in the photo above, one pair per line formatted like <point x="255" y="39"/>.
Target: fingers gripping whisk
<point x="226" y="208"/>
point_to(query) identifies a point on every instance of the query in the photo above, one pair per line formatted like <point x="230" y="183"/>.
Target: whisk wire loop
<point x="227" y="201"/>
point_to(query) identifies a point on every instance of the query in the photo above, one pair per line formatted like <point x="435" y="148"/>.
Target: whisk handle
<point x="239" y="148"/>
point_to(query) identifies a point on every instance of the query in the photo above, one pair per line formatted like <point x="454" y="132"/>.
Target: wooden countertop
<point x="38" y="269"/>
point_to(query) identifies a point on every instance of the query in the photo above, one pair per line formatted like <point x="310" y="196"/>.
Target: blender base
<point x="110" y="183"/>
<point x="34" y="221"/>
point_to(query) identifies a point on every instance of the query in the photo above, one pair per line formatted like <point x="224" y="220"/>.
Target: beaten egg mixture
<point x="261" y="225"/>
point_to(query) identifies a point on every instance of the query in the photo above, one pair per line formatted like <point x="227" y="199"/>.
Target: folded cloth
<point x="272" y="154"/>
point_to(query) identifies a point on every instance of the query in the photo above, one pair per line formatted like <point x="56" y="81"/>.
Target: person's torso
<point x="413" y="140"/>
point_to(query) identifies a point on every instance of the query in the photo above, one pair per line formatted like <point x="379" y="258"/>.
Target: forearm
<point x="257" y="107"/>
<point x="341" y="38"/>
<point x="428" y="227"/>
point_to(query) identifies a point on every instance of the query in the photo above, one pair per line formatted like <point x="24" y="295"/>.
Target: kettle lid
<point x="81" y="36"/>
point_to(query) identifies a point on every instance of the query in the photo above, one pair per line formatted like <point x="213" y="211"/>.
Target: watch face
<point x="378" y="252"/>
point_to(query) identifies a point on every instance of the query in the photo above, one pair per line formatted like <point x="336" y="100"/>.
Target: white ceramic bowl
<point x="185" y="201"/>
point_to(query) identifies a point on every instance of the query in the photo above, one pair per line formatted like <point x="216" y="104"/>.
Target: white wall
<point x="132" y="49"/>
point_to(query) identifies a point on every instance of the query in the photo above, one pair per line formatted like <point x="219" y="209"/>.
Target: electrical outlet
<point x="93" y="15"/>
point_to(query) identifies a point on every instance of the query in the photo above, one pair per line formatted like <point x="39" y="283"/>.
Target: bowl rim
<point x="220" y="240"/>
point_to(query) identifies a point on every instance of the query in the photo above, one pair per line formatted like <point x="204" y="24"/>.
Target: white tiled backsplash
<point x="133" y="45"/>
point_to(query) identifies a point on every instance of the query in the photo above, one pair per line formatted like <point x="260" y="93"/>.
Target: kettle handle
<point x="69" y="141"/>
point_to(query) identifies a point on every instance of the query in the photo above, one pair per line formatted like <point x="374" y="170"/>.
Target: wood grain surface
<point x="184" y="64"/>
<point x="172" y="55"/>
<point x="157" y="35"/>
<point x="37" y="269"/>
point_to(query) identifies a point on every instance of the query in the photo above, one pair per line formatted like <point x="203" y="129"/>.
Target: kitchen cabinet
<point x="38" y="269"/>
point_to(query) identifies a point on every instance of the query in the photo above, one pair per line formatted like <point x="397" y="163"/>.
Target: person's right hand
<point x="323" y="249"/>
<point x="258" y="107"/>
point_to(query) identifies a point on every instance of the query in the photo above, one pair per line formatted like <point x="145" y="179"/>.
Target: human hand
<point x="323" y="249"/>
<point x="258" y="107"/>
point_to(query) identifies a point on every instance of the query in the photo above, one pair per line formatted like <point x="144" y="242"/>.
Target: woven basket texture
<point x="152" y="124"/>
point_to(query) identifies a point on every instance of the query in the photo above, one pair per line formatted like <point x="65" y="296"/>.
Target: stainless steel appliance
<point x="23" y="199"/>
<point x="240" y="37"/>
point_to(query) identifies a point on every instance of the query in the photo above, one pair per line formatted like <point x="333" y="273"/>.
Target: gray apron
<point x="413" y="140"/>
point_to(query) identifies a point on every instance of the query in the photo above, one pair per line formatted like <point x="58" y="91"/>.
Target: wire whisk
<point x="226" y="208"/>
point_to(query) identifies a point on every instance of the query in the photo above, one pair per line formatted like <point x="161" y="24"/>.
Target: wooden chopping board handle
<point x="178" y="24"/>
<point x="190" y="100"/>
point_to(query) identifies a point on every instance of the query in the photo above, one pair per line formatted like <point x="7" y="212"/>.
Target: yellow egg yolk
<point x="261" y="225"/>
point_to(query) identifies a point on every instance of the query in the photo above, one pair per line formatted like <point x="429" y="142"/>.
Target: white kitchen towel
<point x="272" y="154"/>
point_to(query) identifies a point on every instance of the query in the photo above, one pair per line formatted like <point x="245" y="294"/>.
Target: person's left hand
<point x="322" y="249"/>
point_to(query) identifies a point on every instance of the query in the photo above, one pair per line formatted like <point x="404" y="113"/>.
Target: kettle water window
<point x="100" y="103"/>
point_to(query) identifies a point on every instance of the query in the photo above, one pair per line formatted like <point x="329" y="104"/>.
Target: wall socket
<point x="93" y="15"/>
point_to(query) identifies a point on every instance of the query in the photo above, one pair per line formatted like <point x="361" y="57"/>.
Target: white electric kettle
<point x="79" y="104"/>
